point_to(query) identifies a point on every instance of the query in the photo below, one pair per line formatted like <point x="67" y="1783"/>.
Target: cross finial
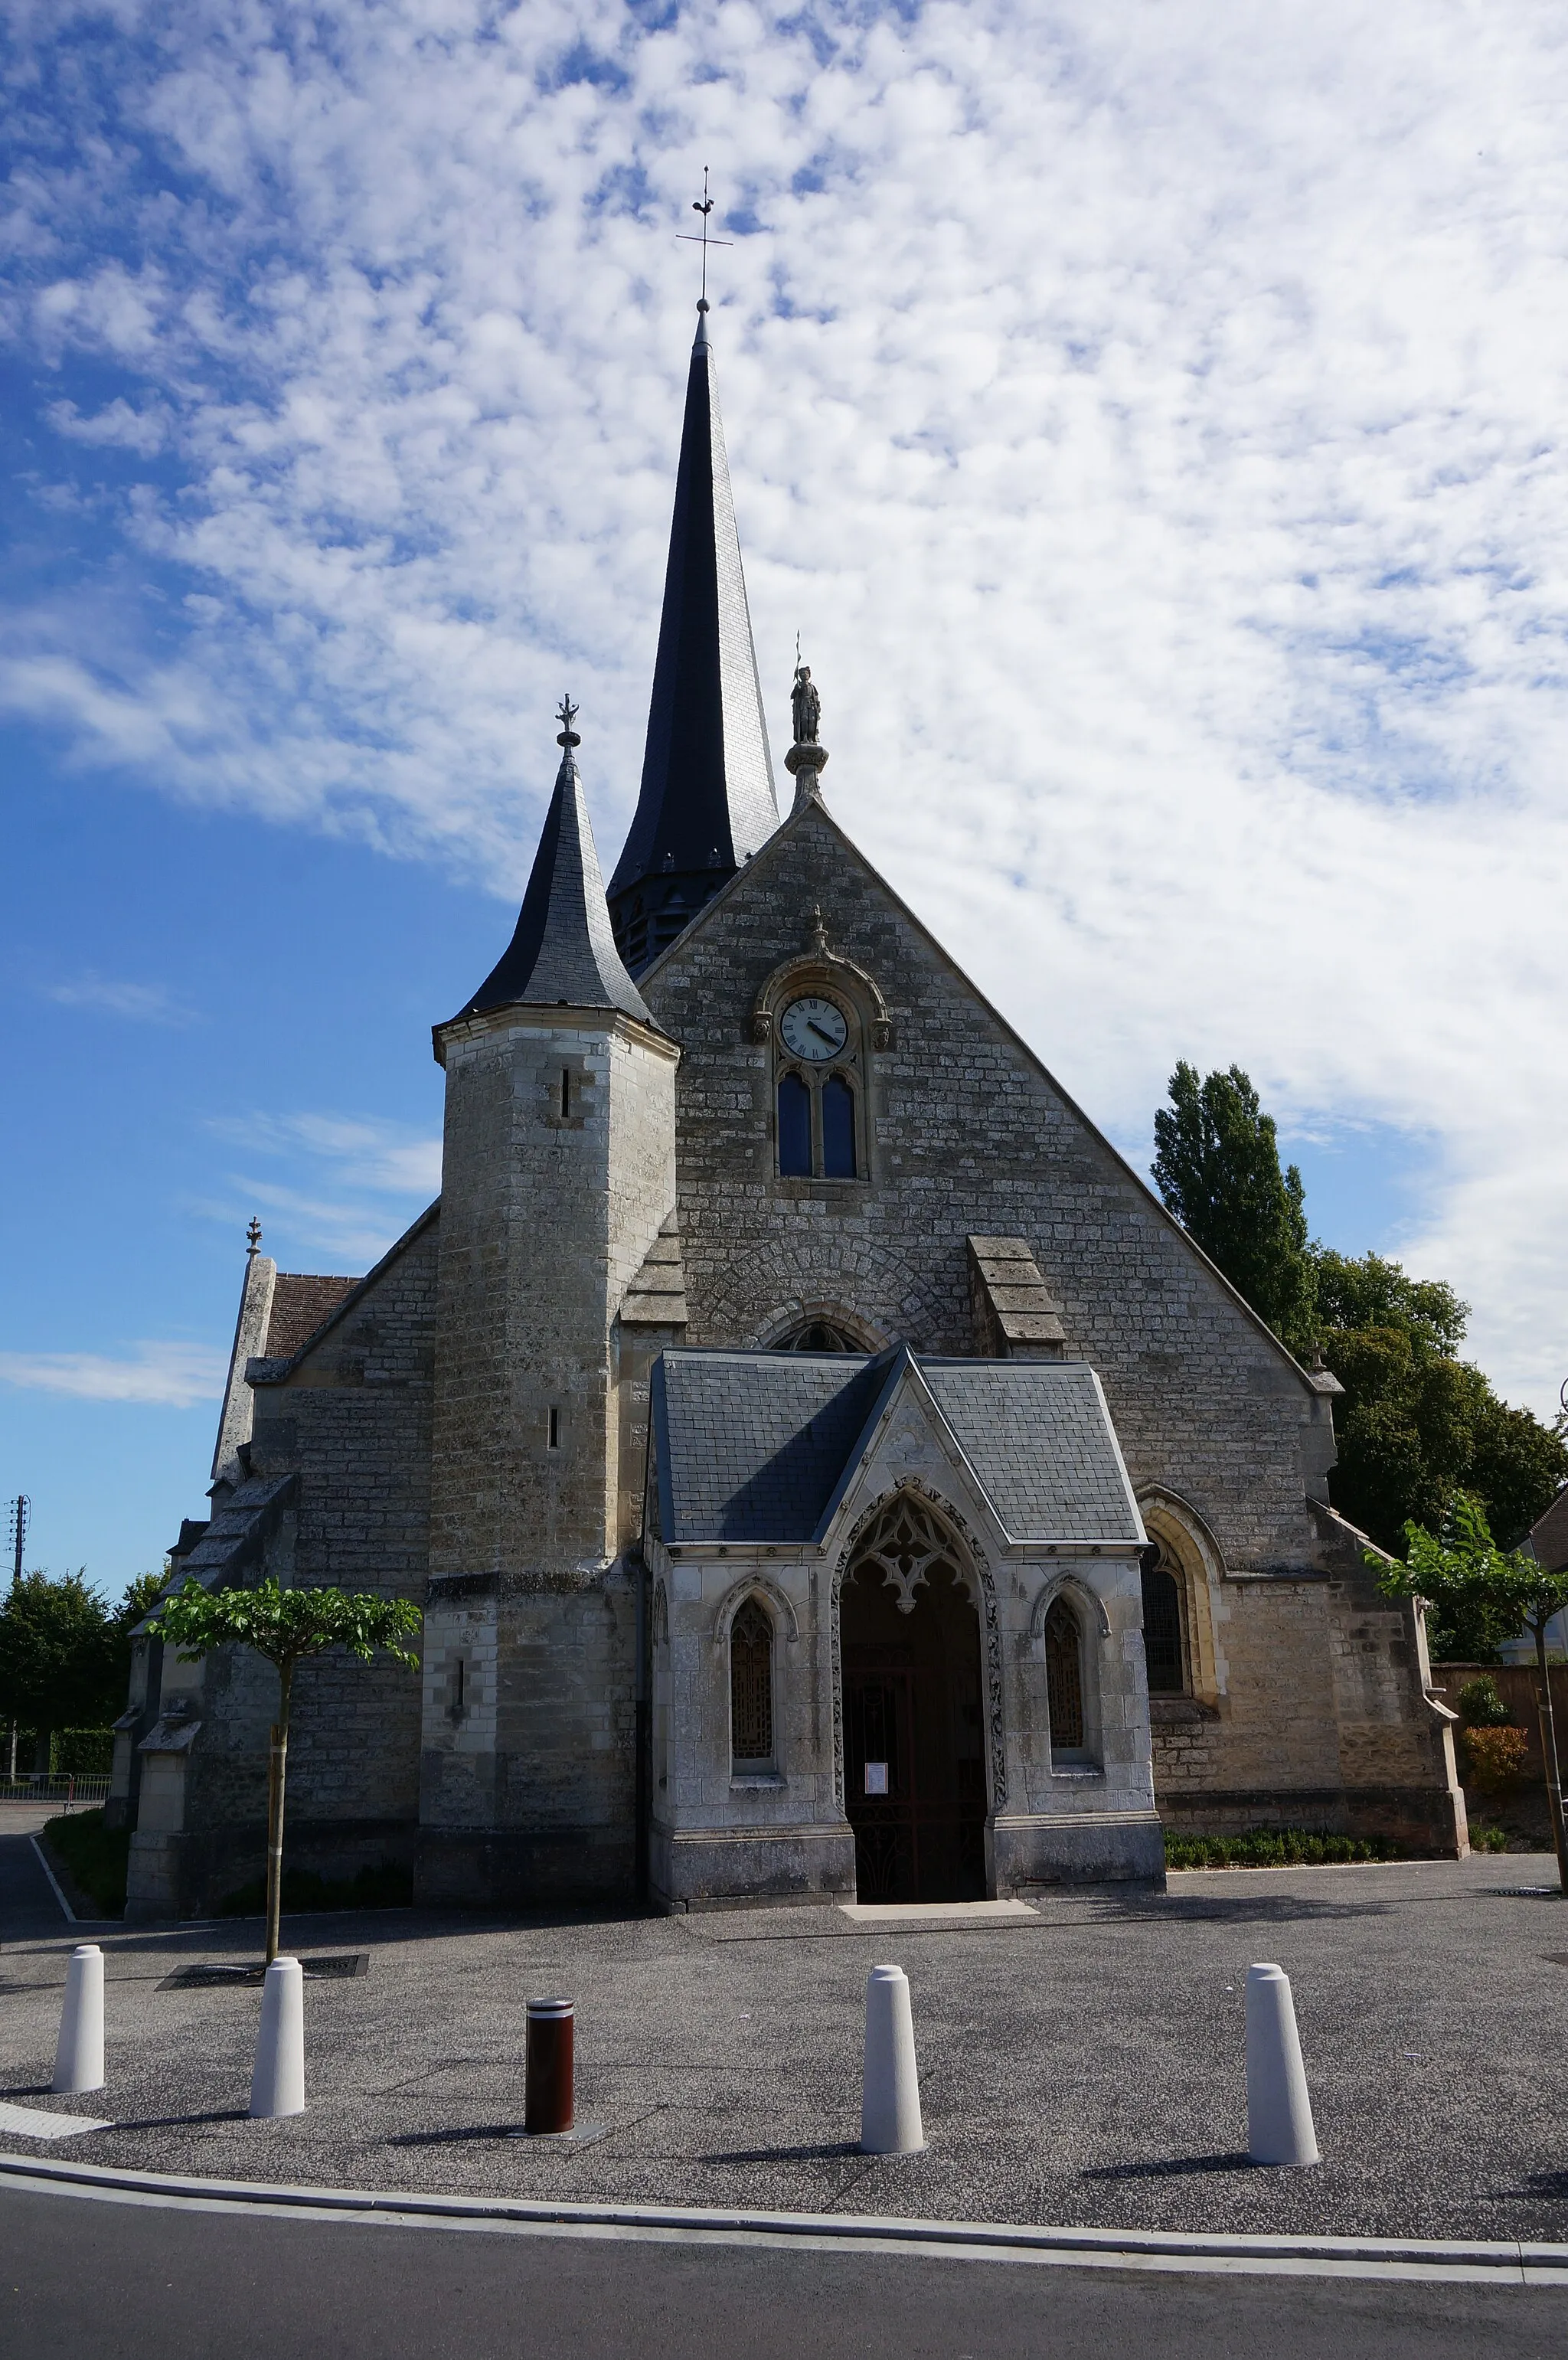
<point x="707" y="239"/>
<point x="252" y="1236"/>
<point x="566" y="714"/>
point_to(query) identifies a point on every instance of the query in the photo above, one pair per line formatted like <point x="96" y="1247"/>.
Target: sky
<point x="1147" y="414"/>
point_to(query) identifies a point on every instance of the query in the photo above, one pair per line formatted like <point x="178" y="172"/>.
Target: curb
<point x="1505" y="2262"/>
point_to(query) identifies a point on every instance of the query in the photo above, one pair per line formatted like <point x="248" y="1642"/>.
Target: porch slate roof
<point x="759" y="1446"/>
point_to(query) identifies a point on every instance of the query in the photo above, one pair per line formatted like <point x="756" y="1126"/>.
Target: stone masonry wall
<point x="967" y="1135"/>
<point x="353" y="1421"/>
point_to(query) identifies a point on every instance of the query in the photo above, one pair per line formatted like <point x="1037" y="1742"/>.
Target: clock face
<point x="813" y="1028"/>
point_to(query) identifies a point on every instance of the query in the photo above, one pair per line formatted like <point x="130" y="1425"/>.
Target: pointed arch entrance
<point x="914" y="1724"/>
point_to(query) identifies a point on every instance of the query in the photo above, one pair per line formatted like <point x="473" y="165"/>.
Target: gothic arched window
<point x="751" y="1689"/>
<point x="1164" y="1636"/>
<point x="838" y="1129"/>
<point x="1064" y="1680"/>
<point x="794" y="1128"/>
<point x="820" y="1028"/>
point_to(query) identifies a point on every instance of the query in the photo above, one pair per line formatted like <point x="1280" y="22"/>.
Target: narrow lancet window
<point x="1162" y="1636"/>
<point x="1063" y="1679"/>
<point x="751" y="1688"/>
<point x="838" y="1130"/>
<point x="794" y="1128"/>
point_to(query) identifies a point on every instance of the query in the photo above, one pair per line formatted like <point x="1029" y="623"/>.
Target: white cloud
<point x="171" y="1376"/>
<point x="1150" y="418"/>
<point x="338" y="1167"/>
<point x="143" y="1003"/>
<point x="117" y="425"/>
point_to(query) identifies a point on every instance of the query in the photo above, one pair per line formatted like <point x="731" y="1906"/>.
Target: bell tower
<point x="559" y="1167"/>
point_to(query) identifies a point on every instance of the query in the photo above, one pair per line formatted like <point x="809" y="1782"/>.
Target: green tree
<point x="1473" y="1588"/>
<point x="1216" y="1165"/>
<point x="1417" y="1424"/>
<point x="284" y="1625"/>
<point x="59" y="1667"/>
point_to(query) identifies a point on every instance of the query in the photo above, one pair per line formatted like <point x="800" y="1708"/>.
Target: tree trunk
<point x="1549" y="1752"/>
<point x="276" y="1767"/>
<point x="41" y="1749"/>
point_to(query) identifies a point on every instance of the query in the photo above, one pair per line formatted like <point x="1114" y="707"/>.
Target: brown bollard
<point x="546" y="2106"/>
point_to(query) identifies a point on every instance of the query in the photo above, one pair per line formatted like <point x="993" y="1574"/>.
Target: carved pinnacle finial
<point x="253" y="1236"/>
<point x="819" y="932"/>
<point x="566" y="714"/>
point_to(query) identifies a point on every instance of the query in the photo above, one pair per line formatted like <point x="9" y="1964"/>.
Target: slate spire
<point x="563" y="952"/>
<point x="707" y="800"/>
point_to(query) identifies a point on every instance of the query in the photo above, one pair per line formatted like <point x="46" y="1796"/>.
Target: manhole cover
<point x="206" y="1976"/>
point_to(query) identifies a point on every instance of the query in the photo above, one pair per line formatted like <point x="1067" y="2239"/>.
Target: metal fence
<point x="72" y="1792"/>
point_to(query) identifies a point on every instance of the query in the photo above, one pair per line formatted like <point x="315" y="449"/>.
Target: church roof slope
<point x="563" y="952"/>
<point x="751" y="1445"/>
<point x="757" y="1447"/>
<point x="707" y="798"/>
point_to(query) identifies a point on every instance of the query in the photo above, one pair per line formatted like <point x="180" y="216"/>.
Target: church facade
<point x="823" y="1466"/>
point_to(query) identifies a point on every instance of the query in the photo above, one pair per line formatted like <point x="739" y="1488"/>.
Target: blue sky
<point x="1149" y="422"/>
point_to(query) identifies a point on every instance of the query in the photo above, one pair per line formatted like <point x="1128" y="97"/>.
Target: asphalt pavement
<point x="1081" y="2066"/>
<point x="82" y="2276"/>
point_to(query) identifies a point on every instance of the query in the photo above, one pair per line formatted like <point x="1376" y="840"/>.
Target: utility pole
<point x="21" y="1508"/>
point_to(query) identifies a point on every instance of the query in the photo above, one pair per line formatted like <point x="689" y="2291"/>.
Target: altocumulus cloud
<point x="1150" y="417"/>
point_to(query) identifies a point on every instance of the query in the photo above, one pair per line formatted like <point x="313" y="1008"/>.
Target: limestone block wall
<point x="352" y="1418"/>
<point x="967" y="1134"/>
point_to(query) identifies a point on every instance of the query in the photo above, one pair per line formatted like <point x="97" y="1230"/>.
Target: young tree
<point x="284" y="1625"/>
<point x="1474" y="1589"/>
<point x="1216" y="1165"/>
<point x="59" y="1663"/>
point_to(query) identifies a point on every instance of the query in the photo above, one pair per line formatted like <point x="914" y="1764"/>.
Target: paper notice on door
<point x="876" y="1777"/>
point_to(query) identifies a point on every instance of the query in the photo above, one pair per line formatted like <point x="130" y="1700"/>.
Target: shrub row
<point x="1271" y="1848"/>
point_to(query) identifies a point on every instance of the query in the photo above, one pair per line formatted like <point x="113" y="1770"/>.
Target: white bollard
<point x="1279" y="2110"/>
<point x="277" y="2084"/>
<point x="890" y="2102"/>
<point x="79" y="2052"/>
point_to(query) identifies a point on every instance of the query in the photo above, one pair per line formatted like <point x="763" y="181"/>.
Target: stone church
<point x="825" y="1467"/>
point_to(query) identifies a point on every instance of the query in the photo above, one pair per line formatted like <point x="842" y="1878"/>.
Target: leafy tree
<point x="284" y="1625"/>
<point x="59" y="1667"/>
<point x="1370" y="1292"/>
<point x="1417" y="1424"/>
<point x="1216" y="1165"/>
<point x="1473" y="1588"/>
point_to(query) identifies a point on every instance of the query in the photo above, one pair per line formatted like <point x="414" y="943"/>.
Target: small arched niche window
<point x="751" y="1691"/>
<point x="1164" y="1623"/>
<point x="1064" y="1683"/>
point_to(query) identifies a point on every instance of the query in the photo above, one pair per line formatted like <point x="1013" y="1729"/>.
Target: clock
<point x="813" y="1028"/>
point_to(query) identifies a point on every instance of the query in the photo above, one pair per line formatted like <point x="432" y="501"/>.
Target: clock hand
<point x="811" y="1026"/>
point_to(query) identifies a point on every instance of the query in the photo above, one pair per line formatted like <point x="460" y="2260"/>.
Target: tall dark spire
<point x="707" y="800"/>
<point x="563" y="952"/>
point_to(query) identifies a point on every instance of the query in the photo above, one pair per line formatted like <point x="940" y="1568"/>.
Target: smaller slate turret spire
<point x="563" y="953"/>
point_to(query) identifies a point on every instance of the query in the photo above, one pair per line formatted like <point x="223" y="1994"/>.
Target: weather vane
<point x="566" y="714"/>
<point x="687" y="238"/>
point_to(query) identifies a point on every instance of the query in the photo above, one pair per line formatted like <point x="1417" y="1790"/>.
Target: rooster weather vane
<point x="688" y="237"/>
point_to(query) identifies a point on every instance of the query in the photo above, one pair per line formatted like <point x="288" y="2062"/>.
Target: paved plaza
<point x="1080" y="2063"/>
